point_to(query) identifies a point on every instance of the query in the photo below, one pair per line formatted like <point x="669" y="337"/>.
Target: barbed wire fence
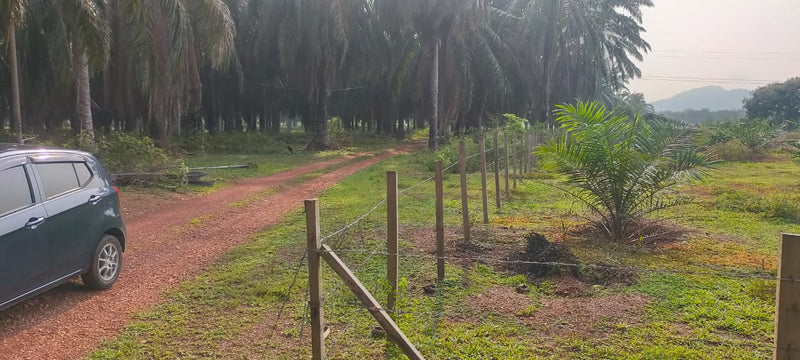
<point x="368" y="249"/>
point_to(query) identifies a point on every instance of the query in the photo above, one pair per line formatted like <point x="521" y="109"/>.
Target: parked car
<point x="59" y="218"/>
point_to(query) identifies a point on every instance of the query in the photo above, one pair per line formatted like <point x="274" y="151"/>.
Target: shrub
<point x="732" y="137"/>
<point x="733" y="150"/>
<point x="783" y="208"/>
<point x="621" y="167"/>
<point x="448" y="154"/>
<point x="776" y="207"/>
<point x="241" y="142"/>
<point x="132" y="159"/>
<point x="739" y="201"/>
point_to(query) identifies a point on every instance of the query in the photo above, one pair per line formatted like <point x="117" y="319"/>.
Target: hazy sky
<point x="735" y="43"/>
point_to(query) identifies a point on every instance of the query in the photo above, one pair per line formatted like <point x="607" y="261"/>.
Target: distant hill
<point x="710" y="97"/>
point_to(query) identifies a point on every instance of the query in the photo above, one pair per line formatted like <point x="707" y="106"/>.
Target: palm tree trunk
<point x="318" y="114"/>
<point x="548" y="60"/>
<point x="433" y="139"/>
<point x="15" y="102"/>
<point x="84" y="97"/>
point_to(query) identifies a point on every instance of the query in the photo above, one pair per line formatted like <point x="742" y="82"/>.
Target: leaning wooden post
<point x="462" y="160"/>
<point x="315" y="280"/>
<point x="392" y="233"/>
<point x="372" y="305"/>
<point x="484" y="192"/>
<point x="497" y="170"/>
<point x="506" y="168"/>
<point x="439" y="222"/>
<point x="787" y="307"/>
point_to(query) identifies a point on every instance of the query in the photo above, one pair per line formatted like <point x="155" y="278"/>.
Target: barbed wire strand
<point x="288" y="298"/>
<point x="563" y="264"/>
<point x="380" y="203"/>
<point x="751" y="344"/>
<point x="303" y="320"/>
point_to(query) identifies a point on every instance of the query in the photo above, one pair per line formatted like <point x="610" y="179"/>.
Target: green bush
<point x="741" y="141"/>
<point x="448" y="154"/>
<point x="6" y="136"/>
<point x="733" y="150"/>
<point x="778" y="207"/>
<point x="783" y="208"/>
<point x="132" y="159"/>
<point x="241" y="142"/>
<point x="739" y="201"/>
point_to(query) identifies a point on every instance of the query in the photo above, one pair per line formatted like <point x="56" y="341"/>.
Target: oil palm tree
<point x="619" y="166"/>
<point x="431" y="21"/>
<point x="165" y="43"/>
<point x="86" y="41"/>
<point x="14" y="11"/>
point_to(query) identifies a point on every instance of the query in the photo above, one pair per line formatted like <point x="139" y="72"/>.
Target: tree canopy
<point x="779" y="103"/>
<point x="172" y="67"/>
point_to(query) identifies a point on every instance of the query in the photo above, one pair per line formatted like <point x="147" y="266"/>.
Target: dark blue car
<point x="59" y="218"/>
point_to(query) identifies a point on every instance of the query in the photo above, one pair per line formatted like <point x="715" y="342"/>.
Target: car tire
<point x="106" y="264"/>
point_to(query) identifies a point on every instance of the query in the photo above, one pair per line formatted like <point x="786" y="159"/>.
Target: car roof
<point x="7" y="149"/>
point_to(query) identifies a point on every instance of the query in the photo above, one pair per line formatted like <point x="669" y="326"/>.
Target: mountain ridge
<point x="713" y="98"/>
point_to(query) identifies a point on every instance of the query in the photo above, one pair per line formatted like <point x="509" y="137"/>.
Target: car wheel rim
<point x="108" y="262"/>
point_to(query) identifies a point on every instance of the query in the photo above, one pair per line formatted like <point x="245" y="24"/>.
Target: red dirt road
<point x="169" y="240"/>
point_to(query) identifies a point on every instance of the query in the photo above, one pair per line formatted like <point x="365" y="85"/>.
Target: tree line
<point x="172" y="67"/>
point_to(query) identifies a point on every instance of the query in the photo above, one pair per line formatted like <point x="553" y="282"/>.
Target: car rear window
<point x="84" y="175"/>
<point x="16" y="193"/>
<point x="58" y="178"/>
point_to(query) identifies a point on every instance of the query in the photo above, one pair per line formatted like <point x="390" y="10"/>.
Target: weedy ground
<point x="665" y="305"/>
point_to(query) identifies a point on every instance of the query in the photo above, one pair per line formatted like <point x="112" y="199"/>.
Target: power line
<point x="760" y="33"/>
<point x="725" y="58"/>
<point x="729" y="52"/>
<point x="716" y="80"/>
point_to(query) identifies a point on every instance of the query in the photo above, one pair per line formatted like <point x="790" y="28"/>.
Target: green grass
<point x="687" y="316"/>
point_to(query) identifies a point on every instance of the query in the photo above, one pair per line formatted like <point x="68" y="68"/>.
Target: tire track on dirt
<point x="68" y="323"/>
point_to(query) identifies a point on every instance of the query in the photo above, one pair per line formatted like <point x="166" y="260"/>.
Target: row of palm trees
<point x="168" y="67"/>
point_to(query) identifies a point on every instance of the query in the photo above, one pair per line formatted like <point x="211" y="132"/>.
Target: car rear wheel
<point x="106" y="264"/>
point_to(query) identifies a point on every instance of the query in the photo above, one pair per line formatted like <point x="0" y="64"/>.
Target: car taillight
<point x="117" y="190"/>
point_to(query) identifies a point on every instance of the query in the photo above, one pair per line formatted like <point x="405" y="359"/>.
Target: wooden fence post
<point x="315" y="280"/>
<point x="484" y="192"/>
<point x="521" y="158"/>
<point x="514" y="154"/>
<point x="497" y="169"/>
<point x="527" y="157"/>
<point x="506" y="168"/>
<point x="462" y="158"/>
<point x="787" y="307"/>
<point x="439" y="221"/>
<point x="392" y="233"/>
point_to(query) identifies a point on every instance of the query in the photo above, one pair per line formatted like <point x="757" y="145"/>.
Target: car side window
<point x="83" y="172"/>
<point x="57" y="178"/>
<point x="16" y="193"/>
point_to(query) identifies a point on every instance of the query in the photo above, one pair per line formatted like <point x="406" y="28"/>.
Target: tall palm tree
<point x="166" y="43"/>
<point x="87" y="33"/>
<point x="313" y="43"/>
<point x="431" y="21"/>
<point x="14" y="11"/>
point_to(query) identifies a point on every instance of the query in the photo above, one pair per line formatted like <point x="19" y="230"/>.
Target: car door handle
<point x="33" y="223"/>
<point x="94" y="199"/>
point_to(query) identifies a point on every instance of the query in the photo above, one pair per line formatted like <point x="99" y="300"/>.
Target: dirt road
<point x="171" y="238"/>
